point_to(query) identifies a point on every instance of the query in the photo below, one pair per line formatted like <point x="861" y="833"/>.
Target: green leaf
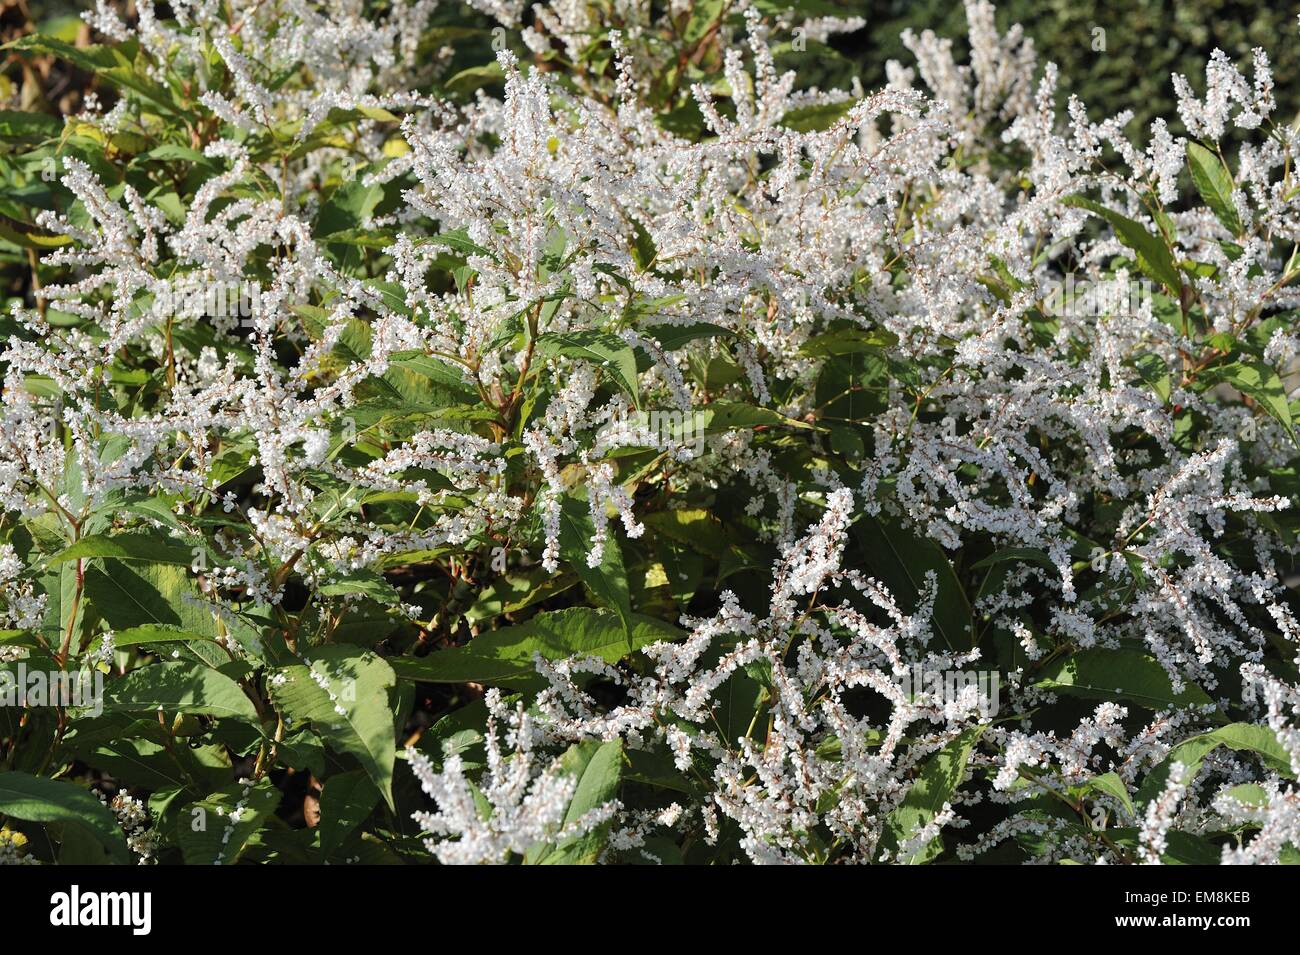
<point x="19" y="638"/>
<point x="1182" y="848"/>
<point x="695" y="527"/>
<point x="608" y="581"/>
<point x="115" y="63"/>
<point x="1258" y="380"/>
<point x="155" y="633"/>
<point x="1155" y="374"/>
<point x="1242" y="737"/>
<point x="684" y="568"/>
<point x="179" y="687"/>
<point x="848" y="341"/>
<point x="1187" y="848"/>
<point x="35" y="799"/>
<point x="511" y="593"/>
<point x="1214" y="182"/>
<point x="351" y="711"/>
<point x="17" y="126"/>
<point x="346" y="800"/>
<point x="144" y="546"/>
<point x="901" y="560"/>
<point x="458" y="240"/>
<point x="1153" y="256"/>
<point x="506" y="655"/>
<point x="137" y="754"/>
<point x="349" y="207"/>
<point x="673" y="337"/>
<point x="939" y="779"/>
<point x="63" y="609"/>
<point x="444" y="375"/>
<point x="152" y="508"/>
<point x="719" y="416"/>
<point x="597" y="767"/>
<point x="129" y="595"/>
<point x="1112" y="785"/>
<point x="209" y="833"/>
<point x="365" y="582"/>
<point x="1101" y="673"/>
<point x="475" y="77"/>
<point x="33" y="240"/>
<point x="607" y="351"/>
<point x="808" y="119"/>
<point x="1032" y="555"/>
<point x="704" y="14"/>
<point x="643" y="246"/>
<point x="1251" y="794"/>
<point x="89" y="58"/>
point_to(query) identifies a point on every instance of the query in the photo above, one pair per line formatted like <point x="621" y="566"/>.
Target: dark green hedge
<point x="1145" y="41"/>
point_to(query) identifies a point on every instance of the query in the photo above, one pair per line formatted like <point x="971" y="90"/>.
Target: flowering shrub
<point x="490" y="434"/>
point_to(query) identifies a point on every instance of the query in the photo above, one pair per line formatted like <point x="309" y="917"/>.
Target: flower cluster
<point x="333" y="325"/>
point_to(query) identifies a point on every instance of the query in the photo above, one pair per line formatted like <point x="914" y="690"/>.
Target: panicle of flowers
<point x="526" y="797"/>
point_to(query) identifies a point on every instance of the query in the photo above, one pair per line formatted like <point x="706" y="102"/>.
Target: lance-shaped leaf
<point x="1112" y="785"/>
<point x="343" y="692"/>
<point x="129" y="594"/>
<point x="365" y="582"/>
<point x="511" y="593"/>
<point x="155" y="633"/>
<point x="902" y="561"/>
<point x="597" y="767"/>
<point x="345" y="802"/>
<point x="348" y="207"/>
<point x="35" y="799"/>
<point x="179" y="687"/>
<point x="939" y="779"/>
<point x="1242" y="737"/>
<point x="1153" y="256"/>
<point x="608" y="580"/>
<point x="604" y="349"/>
<point x="673" y="337"/>
<point x="446" y="377"/>
<point x="505" y="656"/>
<point x="215" y="830"/>
<point x="1214" y="183"/>
<point x="1257" y="380"/>
<point x="719" y="416"/>
<point x="1102" y="673"/>
<point x="849" y="341"/>
<point x="807" y="119"/>
<point x="147" y="546"/>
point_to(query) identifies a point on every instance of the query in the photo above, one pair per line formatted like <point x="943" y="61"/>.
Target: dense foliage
<point x="1114" y="54"/>
<point x="489" y="434"/>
